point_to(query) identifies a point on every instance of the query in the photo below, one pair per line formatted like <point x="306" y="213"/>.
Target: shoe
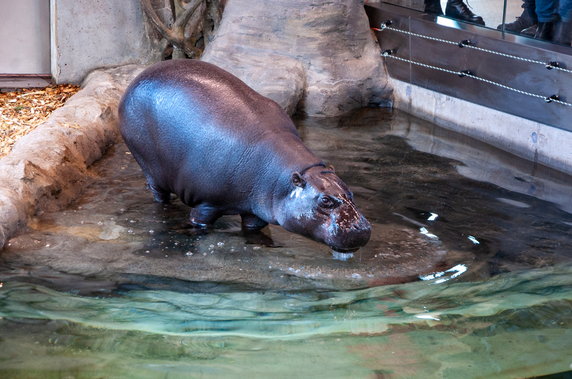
<point x="433" y="7"/>
<point x="530" y="31"/>
<point x="525" y="20"/>
<point x="563" y="33"/>
<point x="545" y="31"/>
<point x="460" y="11"/>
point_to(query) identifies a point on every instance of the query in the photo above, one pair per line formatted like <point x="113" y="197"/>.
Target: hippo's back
<point x="181" y="96"/>
<point x="192" y="126"/>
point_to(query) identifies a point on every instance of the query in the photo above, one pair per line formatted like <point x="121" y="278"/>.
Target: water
<point x="467" y="274"/>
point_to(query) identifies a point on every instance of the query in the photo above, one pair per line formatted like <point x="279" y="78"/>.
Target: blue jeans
<point x="549" y="10"/>
<point x="546" y="10"/>
<point x="565" y="10"/>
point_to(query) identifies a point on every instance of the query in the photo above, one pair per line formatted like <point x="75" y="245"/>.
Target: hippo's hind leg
<point x="252" y="222"/>
<point x="159" y="195"/>
<point x="204" y="215"/>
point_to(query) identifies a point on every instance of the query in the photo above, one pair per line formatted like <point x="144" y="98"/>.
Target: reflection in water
<point x="474" y="240"/>
<point x="432" y="216"/>
<point x="460" y="279"/>
<point x="443" y="276"/>
<point x="342" y="256"/>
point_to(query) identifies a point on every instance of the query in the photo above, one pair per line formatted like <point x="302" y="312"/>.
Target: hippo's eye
<point x="327" y="202"/>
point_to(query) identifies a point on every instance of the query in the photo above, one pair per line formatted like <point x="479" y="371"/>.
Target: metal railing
<point x="552" y="65"/>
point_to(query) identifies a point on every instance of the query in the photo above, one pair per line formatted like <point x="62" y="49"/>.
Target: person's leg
<point x="565" y="10"/>
<point x="546" y="10"/>
<point x="563" y="33"/>
<point x="547" y="17"/>
<point x="530" y="9"/>
<point x="433" y="7"/>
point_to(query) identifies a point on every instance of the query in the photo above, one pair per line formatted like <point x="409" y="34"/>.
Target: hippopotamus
<point x="199" y="132"/>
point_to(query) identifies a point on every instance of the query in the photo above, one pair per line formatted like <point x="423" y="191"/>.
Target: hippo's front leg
<point x="252" y="222"/>
<point x="204" y="215"/>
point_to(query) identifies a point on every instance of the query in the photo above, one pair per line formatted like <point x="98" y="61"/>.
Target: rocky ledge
<point x="50" y="166"/>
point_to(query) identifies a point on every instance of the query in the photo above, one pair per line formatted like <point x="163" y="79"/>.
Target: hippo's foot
<point x="251" y="222"/>
<point x="204" y="215"/>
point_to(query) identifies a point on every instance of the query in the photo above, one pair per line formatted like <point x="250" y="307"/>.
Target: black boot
<point x="563" y="33"/>
<point x="460" y="11"/>
<point x="433" y="7"/>
<point x="525" y="20"/>
<point x="545" y="31"/>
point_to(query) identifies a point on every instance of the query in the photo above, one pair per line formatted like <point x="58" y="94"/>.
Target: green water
<point x="99" y="290"/>
<point x="513" y="325"/>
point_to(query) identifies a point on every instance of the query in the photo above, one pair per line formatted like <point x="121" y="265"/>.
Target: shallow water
<point x="467" y="274"/>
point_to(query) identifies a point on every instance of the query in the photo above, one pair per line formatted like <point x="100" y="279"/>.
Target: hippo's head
<point x="320" y="206"/>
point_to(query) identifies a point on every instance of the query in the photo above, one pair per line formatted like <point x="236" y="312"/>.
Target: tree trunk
<point x="187" y="27"/>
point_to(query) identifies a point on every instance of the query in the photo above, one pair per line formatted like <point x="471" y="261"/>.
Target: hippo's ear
<point x="297" y="180"/>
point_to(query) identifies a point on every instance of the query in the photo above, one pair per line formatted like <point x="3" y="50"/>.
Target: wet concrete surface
<point x="116" y="229"/>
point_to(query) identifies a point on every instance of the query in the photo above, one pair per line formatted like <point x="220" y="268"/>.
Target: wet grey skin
<point x="201" y="133"/>
<point x="321" y="207"/>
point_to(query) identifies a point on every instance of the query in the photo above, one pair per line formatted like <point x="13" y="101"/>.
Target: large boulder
<point x="315" y="56"/>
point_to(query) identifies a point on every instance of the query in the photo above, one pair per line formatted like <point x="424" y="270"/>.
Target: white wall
<point x="25" y="33"/>
<point x="533" y="141"/>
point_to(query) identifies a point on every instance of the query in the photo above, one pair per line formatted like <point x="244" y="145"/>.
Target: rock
<point x="49" y="167"/>
<point x="320" y="57"/>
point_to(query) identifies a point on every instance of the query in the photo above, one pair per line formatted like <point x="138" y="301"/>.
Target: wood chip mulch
<point x="23" y="110"/>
